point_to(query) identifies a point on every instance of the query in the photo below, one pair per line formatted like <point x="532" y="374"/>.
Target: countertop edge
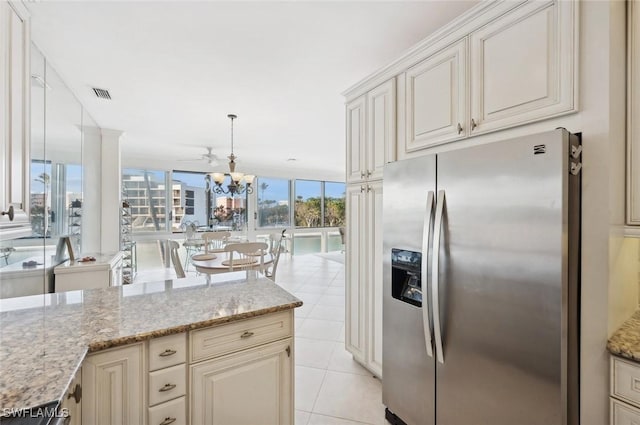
<point x="625" y="341"/>
<point x="132" y="339"/>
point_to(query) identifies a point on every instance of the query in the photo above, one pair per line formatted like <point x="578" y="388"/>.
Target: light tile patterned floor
<point x="331" y="388"/>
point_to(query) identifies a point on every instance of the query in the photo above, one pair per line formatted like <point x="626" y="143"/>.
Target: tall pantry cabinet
<point x="497" y="66"/>
<point x="371" y="143"/>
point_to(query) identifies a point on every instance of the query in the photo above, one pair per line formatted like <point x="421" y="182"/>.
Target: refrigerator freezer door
<point x="408" y="387"/>
<point x="503" y="282"/>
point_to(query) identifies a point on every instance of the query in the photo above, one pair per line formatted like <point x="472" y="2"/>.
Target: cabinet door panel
<point x="374" y="269"/>
<point x="381" y="135"/>
<point x="113" y="387"/>
<point x="522" y="66"/>
<point x="624" y="414"/>
<point x="356" y="139"/>
<point x="355" y="295"/>
<point x="249" y="387"/>
<point x="436" y="99"/>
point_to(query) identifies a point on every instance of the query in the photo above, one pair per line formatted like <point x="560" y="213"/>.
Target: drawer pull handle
<point x="168" y="420"/>
<point x="76" y="394"/>
<point x="246" y="334"/>
<point x="168" y="352"/>
<point x="167" y="387"/>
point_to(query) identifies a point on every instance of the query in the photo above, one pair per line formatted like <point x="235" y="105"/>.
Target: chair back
<point x="215" y="241"/>
<point x="190" y="230"/>
<point x="276" y="249"/>
<point x="175" y="259"/>
<point x="245" y="254"/>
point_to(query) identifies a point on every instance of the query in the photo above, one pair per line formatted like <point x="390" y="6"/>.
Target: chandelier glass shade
<point x="240" y="183"/>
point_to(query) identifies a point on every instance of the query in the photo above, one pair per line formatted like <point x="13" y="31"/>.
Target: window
<point x="334" y="204"/>
<point x="319" y="204"/>
<point x="189" y="199"/>
<point x="194" y="203"/>
<point x="308" y="211"/>
<point x="40" y="201"/>
<point x="273" y="202"/>
<point x="147" y="195"/>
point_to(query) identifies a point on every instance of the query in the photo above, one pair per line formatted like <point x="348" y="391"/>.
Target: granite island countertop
<point x="625" y="342"/>
<point x="45" y="338"/>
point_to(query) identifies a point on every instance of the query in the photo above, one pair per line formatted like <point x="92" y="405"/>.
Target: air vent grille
<point x="101" y="93"/>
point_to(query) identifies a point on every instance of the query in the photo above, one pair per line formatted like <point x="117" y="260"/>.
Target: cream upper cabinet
<point x="113" y="384"/>
<point x="522" y="66"/>
<point x="633" y="117"/>
<point x="371" y="132"/>
<point x="381" y="128"/>
<point x="436" y="99"/>
<point x="254" y="386"/>
<point x="356" y="139"/>
<point x="363" y="324"/>
<point x="14" y="119"/>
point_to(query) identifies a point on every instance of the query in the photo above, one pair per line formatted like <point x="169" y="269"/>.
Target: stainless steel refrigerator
<point x="481" y="284"/>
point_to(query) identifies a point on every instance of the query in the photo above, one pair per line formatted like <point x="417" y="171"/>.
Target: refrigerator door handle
<point x="435" y="282"/>
<point x="426" y="236"/>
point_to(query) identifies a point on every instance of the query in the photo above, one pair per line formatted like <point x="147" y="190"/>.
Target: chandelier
<point x="240" y="183"/>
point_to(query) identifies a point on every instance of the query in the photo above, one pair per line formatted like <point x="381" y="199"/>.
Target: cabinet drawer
<point x="167" y="384"/>
<point x="623" y="414"/>
<point x="227" y="338"/>
<point x="170" y="413"/>
<point x="167" y="351"/>
<point x="625" y="380"/>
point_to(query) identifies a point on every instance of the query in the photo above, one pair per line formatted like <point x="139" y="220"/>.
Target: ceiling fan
<point x="210" y="157"/>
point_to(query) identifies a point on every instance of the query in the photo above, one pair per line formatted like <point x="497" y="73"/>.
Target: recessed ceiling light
<point x="291" y="159"/>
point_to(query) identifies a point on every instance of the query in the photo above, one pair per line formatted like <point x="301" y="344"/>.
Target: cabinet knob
<point x="76" y="394"/>
<point x="459" y="128"/>
<point x="362" y="175"/>
<point x="368" y="188"/>
<point x="368" y="173"/>
<point x="168" y="352"/>
<point x="246" y="334"/>
<point x="167" y="387"/>
<point x="9" y="212"/>
<point x="473" y="124"/>
<point x="168" y="420"/>
<point x="362" y="189"/>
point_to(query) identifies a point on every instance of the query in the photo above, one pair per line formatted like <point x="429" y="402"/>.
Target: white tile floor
<point x="331" y="388"/>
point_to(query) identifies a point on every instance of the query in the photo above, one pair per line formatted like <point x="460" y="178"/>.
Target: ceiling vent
<point x="101" y="93"/>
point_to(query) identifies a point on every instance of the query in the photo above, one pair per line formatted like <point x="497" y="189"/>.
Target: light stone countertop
<point x="45" y="338"/>
<point x="625" y="342"/>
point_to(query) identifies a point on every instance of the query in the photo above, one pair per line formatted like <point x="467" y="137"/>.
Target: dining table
<point x="218" y="262"/>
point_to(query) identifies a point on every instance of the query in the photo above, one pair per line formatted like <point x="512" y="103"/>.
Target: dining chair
<point x="215" y="241"/>
<point x="192" y="243"/>
<point x="276" y="249"/>
<point x="246" y="255"/>
<point x="175" y="258"/>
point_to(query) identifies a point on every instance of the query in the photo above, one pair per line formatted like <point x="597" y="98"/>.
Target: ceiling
<point x="176" y="69"/>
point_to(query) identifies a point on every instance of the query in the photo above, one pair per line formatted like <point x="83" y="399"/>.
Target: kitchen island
<point x="45" y="339"/>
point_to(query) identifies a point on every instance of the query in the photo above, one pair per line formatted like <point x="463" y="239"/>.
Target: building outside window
<point x="146" y="193"/>
<point x="189" y="204"/>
